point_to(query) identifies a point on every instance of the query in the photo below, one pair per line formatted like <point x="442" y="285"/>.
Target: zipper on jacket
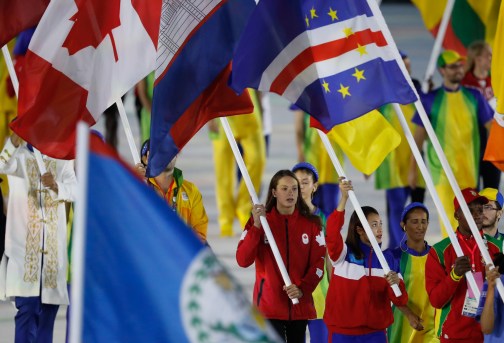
<point x="287" y="257"/>
<point x="370" y="260"/>
<point x="259" y="294"/>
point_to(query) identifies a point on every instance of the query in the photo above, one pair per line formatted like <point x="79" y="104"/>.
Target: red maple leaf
<point x="94" y="20"/>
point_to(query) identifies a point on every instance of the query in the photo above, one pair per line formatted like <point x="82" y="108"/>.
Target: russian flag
<point x="196" y="43"/>
<point x="328" y="57"/>
<point x="147" y="277"/>
<point x="18" y="15"/>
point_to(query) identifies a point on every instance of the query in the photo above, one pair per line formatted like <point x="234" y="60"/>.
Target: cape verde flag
<point x="328" y="57"/>
<point x="196" y="43"/>
<point x="147" y="277"/>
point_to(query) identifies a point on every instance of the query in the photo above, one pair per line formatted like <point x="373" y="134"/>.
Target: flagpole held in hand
<point x="15" y="83"/>
<point x="435" y="197"/>
<point x="255" y="200"/>
<point x="358" y="210"/>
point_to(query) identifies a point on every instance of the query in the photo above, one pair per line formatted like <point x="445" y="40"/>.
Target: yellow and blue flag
<point x="330" y="58"/>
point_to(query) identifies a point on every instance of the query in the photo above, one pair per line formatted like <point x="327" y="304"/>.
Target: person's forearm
<point x="488" y="315"/>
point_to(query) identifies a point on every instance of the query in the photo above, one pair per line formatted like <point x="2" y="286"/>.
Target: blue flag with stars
<point x="328" y="57"/>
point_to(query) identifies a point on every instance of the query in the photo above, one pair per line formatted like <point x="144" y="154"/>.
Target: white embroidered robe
<point x="35" y="255"/>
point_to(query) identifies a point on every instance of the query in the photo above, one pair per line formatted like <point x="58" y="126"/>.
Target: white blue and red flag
<point x="328" y="57"/>
<point x="196" y="43"/>
<point x="147" y="277"/>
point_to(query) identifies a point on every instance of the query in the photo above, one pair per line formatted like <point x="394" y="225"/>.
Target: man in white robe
<point x="33" y="269"/>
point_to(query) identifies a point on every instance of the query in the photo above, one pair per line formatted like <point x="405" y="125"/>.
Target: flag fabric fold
<point x="71" y="75"/>
<point x="147" y="277"/>
<point x="470" y="20"/>
<point x="329" y="58"/>
<point x="366" y="140"/>
<point x="18" y="15"/>
<point x="196" y="43"/>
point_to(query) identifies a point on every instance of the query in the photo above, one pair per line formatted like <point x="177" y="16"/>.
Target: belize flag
<point x="196" y="43"/>
<point x="328" y="57"/>
<point x="147" y="277"/>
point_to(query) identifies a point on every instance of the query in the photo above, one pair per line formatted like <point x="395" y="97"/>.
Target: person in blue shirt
<point x="491" y="306"/>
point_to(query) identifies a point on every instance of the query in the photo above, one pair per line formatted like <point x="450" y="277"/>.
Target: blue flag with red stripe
<point x="196" y="43"/>
<point x="147" y="277"/>
<point x="328" y="57"/>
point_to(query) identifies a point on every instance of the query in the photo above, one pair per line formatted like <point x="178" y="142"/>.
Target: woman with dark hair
<point x="359" y="296"/>
<point x="301" y="243"/>
<point x="414" y="322"/>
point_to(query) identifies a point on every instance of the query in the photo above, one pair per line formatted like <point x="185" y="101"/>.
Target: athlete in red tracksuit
<point x="445" y="280"/>
<point x="358" y="302"/>
<point x="301" y="243"/>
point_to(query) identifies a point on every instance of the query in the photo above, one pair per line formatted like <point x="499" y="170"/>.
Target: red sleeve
<point x="248" y="245"/>
<point x="403" y="299"/>
<point x="439" y="285"/>
<point x="317" y="262"/>
<point x="334" y="239"/>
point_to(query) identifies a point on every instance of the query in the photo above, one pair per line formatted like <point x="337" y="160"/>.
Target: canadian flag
<point x="84" y="55"/>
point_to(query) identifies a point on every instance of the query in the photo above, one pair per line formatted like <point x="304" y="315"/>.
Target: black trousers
<point x="291" y="331"/>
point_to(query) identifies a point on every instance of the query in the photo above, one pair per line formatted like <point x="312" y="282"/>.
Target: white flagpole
<point x="15" y="83"/>
<point x="435" y="197"/>
<point x="437" y="147"/>
<point x="255" y="200"/>
<point x="438" y="43"/>
<point x="358" y="210"/>
<point x="127" y="131"/>
<point x="79" y="235"/>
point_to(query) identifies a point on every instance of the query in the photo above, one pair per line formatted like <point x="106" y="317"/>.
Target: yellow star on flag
<point x="361" y="49"/>
<point x="307" y="21"/>
<point x="326" y="86"/>
<point x="359" y="75"/>
<point x="333" y="14"/>
<point x="313" y="13"/>
<point x="347" y="31"/>
<point x="344" y="91"/>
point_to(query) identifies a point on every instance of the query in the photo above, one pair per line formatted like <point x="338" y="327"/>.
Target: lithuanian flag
<point x="470" y="20"/>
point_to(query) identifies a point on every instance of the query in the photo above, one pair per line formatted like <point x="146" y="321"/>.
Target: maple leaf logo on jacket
<point x="94" y="20"/>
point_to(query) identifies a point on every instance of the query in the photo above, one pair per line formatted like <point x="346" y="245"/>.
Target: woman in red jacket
<point x="358" y="302"/>
<point x="301" y="243"/>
